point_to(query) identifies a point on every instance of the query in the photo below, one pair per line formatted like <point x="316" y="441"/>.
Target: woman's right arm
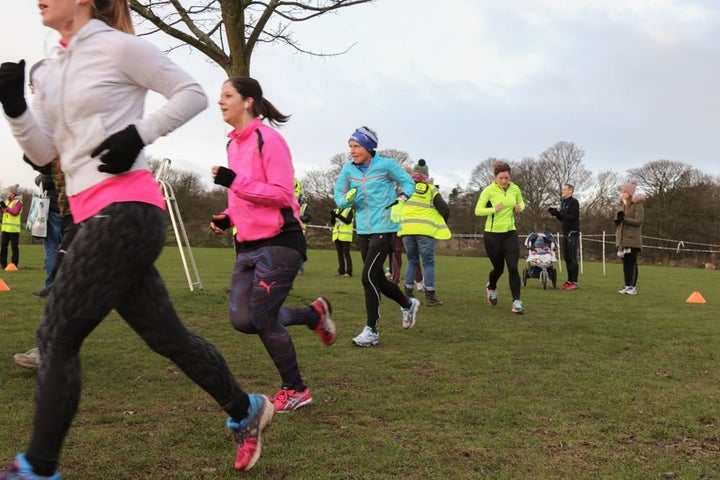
<point x="33" y="133"/>
<point x="484" y="207"/>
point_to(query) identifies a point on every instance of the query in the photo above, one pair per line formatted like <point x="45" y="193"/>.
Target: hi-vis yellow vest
<point x="11" y="223"/>
<point x="420" y="217"/>
<point x="343" y="231"/>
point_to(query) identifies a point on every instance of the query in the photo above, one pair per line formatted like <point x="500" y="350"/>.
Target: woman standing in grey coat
<point x="628" y="234"/>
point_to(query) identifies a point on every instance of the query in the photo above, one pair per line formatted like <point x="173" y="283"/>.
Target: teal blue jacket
<point x="377" y="188"/>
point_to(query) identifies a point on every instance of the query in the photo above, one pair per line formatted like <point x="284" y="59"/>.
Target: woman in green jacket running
<point x="499" y="202"/>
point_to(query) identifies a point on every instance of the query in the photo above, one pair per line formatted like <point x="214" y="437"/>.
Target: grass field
<point x="587" y="384"/>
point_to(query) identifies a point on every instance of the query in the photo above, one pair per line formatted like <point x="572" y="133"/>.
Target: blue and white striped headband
<point x="366" y="138"/>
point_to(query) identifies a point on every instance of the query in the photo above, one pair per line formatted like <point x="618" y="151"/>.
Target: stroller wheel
<point x="525" y="276"/>
<point x="544" y="279"/>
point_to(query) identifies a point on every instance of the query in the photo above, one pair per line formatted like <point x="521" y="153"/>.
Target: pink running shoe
<point x="287" y="400"/>
<point x="325" y="327"/>
<point x="248" y="432"/>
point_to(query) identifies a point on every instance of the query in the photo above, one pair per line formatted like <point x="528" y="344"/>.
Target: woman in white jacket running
<point x="89" y="109"/>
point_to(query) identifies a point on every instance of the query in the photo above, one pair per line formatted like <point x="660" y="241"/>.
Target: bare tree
<point x="658" y="178"/>
<point x="533" y="178"/>
<point x="338" y="160"/>
<point x="403" y="158"/>
<point x="319" y="184"/>
<point x="228" y="31"/>
<point x="601" y="200"/>
<point x="482" y="175"/>
<point x="675" y="208"/>
<point x="564" y="161"/>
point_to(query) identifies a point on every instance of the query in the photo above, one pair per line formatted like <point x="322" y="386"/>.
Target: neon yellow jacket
<point x="493" y="194"/>
<point x="343" y="231"/>
<point x="10" y="221"/>
<point x="420" y="217"/>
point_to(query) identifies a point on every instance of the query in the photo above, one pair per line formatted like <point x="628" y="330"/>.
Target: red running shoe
<point x="248" y="432"/>
<point x="287" y="400"/>
<point x="325" y="327"/>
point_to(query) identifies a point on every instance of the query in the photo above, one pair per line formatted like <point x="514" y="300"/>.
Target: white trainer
<point x="367" y="338"/>
<point x="409" y="315"/>
<point x="29" y="359"/>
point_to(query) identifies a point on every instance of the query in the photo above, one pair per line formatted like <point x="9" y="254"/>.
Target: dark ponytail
<point x="249" y="87"/>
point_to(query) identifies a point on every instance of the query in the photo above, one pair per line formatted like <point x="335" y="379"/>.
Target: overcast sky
<point x="458" y="81"/>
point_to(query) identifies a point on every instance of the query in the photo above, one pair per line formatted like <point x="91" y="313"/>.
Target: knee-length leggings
<point x="109" y="265"/>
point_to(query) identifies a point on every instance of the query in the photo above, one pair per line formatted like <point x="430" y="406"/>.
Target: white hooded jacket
<point x="95" y="87"/>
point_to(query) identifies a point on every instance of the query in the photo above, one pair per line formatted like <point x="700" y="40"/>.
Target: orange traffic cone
<point x="11" y="267"/>
<point x="695" y="297"/>
<point x="3" y="286"/>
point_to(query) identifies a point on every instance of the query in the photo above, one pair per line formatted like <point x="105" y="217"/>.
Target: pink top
<point x="135" y="186"/>
<point x="261" y="199"/>
<point x="14" y="208"/>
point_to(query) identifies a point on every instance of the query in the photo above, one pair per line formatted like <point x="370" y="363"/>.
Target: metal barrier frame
<point x="178" y="226"/>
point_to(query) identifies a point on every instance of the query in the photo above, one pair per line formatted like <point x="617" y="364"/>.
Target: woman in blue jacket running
<point x="369" y="184"/>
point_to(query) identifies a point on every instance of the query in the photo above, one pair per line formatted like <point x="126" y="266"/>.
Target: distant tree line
<point x="681" y="223"/>
<point x="681" y="202"/>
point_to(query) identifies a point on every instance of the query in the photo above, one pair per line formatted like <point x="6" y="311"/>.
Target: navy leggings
<point x="261" y="281"/>
<point x="503" y="248"/>
<point x="571" y="247"/>
<point x="374" y="250"/>
<point x="109" y="265"/>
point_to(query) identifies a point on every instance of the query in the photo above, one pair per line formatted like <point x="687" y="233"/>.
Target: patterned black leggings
<point x="262" y="280"/>
<point x="109" y="265"/>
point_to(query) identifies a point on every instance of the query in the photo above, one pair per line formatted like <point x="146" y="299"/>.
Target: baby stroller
<point x="541" y="259"/>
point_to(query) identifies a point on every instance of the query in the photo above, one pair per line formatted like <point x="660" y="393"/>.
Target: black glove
<point x="223" y="223"/>
<point x="225" y="177"/>
<point x="554" y="212"/>
<point x="119" y="151"/>
<point x="619" y="217"/>
<point x="12" y="88"/>
<point x="3" y="205"/>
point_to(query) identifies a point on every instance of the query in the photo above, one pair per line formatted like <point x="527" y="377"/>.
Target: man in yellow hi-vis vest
<point x="342" y="235"/>
<point x="424" y="219"/>
<point x="11" y="207"/>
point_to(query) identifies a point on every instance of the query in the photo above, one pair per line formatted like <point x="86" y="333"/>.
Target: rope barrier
<point x="681" y="245"/>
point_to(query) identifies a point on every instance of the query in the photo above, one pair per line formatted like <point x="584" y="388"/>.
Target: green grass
<point x="587" y="384"/>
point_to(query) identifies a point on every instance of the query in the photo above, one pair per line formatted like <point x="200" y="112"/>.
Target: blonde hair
<point x="116" y="13"/>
